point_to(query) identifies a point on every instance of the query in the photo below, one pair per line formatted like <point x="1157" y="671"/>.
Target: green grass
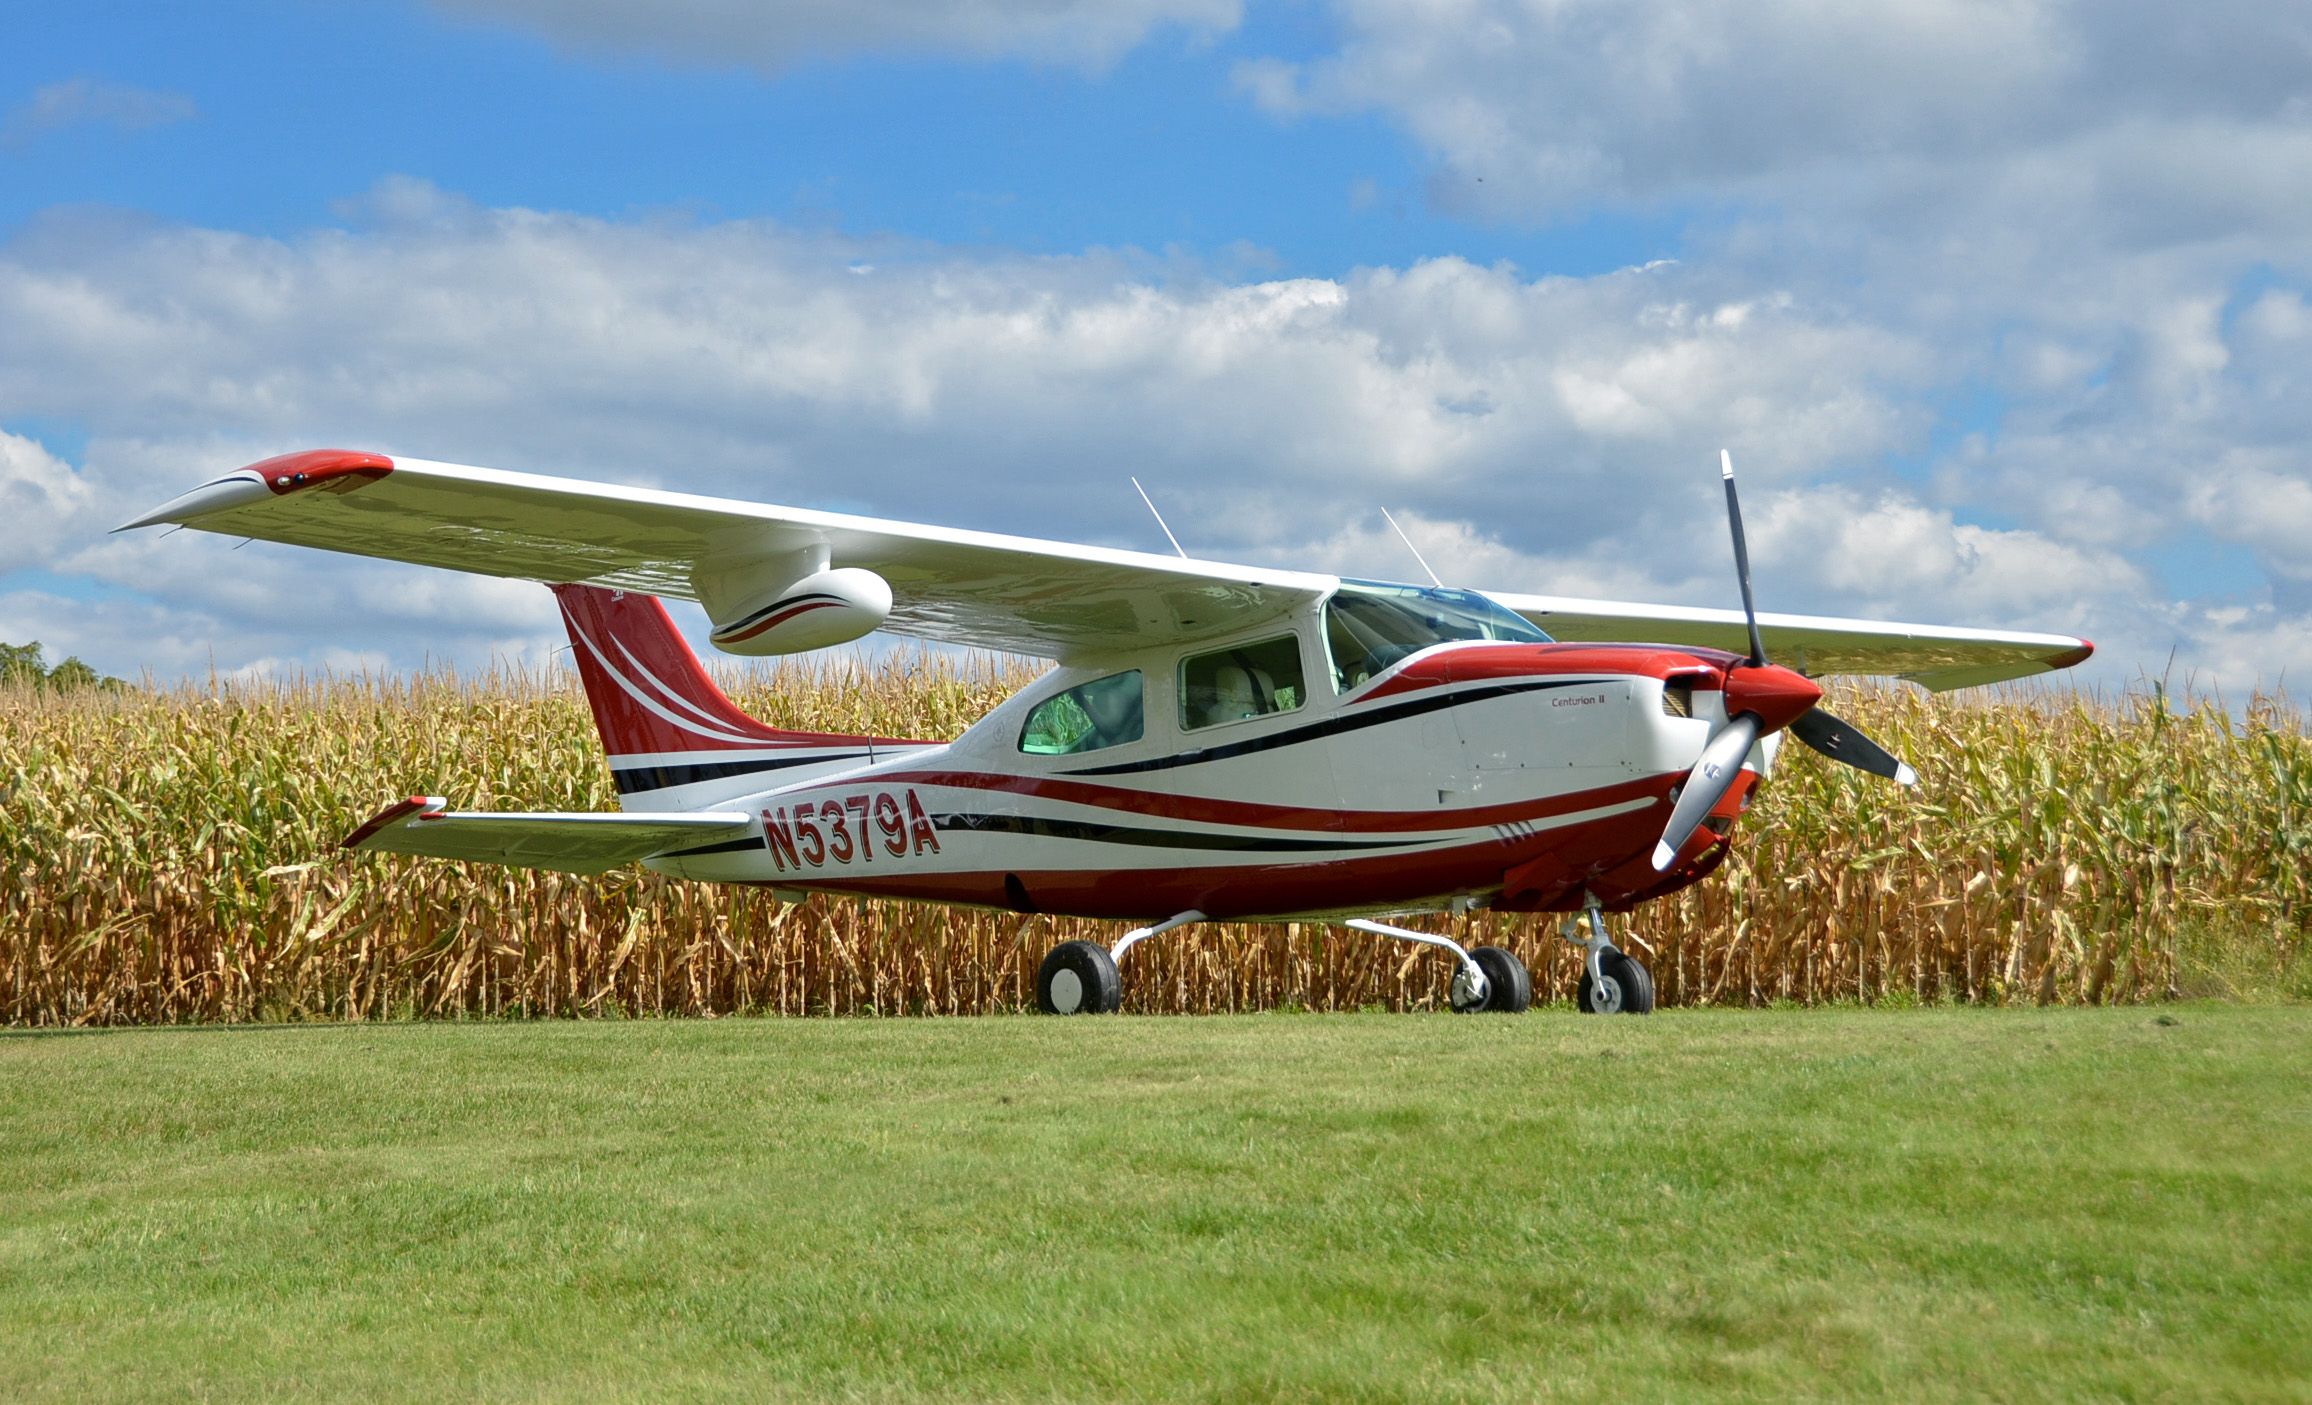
<point x="1832" y="1204"/>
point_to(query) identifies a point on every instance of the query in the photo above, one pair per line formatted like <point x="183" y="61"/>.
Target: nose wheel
<point x="1612" y="981"/>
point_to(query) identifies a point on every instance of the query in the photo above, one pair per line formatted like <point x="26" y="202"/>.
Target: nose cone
<point x="1779" y="696"/>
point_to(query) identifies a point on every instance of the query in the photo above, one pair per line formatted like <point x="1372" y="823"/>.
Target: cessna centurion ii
<point x="1216" y="742"/>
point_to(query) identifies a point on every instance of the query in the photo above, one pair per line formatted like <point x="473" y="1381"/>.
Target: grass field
<point x="1944" y="1204"/>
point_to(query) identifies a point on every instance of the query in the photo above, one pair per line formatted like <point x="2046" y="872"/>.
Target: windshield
<point x="1369" y="626"/>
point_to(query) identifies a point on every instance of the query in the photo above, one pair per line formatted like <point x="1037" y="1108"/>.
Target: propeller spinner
<point x="1762" y="697"/>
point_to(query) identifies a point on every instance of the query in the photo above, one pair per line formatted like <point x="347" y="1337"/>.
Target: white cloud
<point x="42" y="501"/>
<point x="1554" y="434"/>
<point x="1896" y="557"/>
<point x="2078" y="235"/>
<point x="2241" y="652"/>
<point x="78" y="102"/>
<point x="1564" y="103"/>
<point x="773" y="37"/>
<point x="2268" y="510"/>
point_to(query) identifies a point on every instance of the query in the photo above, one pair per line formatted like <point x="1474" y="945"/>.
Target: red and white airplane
<point x="1216" y="742"/>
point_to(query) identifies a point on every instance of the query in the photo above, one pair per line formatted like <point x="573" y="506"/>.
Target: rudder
<point x="674" y="739"/>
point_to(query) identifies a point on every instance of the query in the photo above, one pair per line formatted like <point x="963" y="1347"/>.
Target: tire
<point x="1509" y="986"/>
<point x="1632" y="993"/>
<point x="1637" y="987"/>
<point x="1079" y="978"/>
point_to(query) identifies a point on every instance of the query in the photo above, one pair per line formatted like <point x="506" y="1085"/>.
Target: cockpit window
<point x="1088" y="717"/>
<point x="1370" y="626"/>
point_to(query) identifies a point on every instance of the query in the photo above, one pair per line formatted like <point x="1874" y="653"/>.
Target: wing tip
<point x="315" y="468"/>
<point x="331" y="470"/>
<point x="396" y="813"/>
<point x="2072" y="658"/>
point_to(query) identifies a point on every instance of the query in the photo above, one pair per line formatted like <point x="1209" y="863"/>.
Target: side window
<point x="1102" y="713"/>
<point x="1249" y="680"/>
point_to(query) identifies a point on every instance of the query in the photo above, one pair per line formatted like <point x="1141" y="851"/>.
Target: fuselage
<point x="1517" y="774"/>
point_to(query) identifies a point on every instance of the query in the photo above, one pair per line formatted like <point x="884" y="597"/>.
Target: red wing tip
<point x="312" y="468"/>
<point x="391" y="815"/>
<point x="2071" y="658"/>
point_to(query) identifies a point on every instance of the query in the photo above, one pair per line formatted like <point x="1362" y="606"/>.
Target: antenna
<point x="1408" y="541"/>
<point x="1143" y="492"/>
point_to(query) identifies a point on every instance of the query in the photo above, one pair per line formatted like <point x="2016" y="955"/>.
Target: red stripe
<point x="1490" y="662"/>
<point x="776" y="620"/>
<point x="668" y="670"/>
<point x="1254" y="815"/>
<point x="391" y="814"/>
<point x="1250" y="891"/>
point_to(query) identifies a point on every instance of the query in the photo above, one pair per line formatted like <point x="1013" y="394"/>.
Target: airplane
<point x="1214" y="742"/>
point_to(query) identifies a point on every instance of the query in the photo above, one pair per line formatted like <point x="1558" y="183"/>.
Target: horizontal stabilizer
<point x="568" y="843"/>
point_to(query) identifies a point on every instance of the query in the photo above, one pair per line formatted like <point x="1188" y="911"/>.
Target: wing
<point x="974" y="588"/>
<point x="570" y="843"/>
<point x="1934" y="656"/>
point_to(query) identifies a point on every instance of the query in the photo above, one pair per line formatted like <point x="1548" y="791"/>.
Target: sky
<point x="2004" y="307"/>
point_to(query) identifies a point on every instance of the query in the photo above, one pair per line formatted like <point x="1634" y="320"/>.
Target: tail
<point x="675" y="741"/>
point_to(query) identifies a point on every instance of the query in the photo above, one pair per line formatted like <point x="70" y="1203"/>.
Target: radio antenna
<point x="1152" y="512"/>
<point x="1408" y="541"/>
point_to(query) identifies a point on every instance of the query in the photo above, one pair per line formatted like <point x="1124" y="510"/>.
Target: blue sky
<point x="295" y="108"/>
<point x="2006" y="320"/>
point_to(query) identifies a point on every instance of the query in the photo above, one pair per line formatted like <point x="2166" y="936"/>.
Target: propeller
<point x="1756" y="704"/>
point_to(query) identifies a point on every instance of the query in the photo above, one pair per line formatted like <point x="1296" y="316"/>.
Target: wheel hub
<point x="1067" y="992"/>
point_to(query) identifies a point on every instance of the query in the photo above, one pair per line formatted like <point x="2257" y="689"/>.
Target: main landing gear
<point x="1612" y="982"/>
<point x="1081" y="978"/>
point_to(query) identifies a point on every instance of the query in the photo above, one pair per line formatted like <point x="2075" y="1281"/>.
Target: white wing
<point x="975" y="588"/>
<point x="1937" y="657"/>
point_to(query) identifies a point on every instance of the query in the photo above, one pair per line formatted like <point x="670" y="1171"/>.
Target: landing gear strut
<point x="1083" y="978"/>
<point x="1612" y="982"/>
<point x="1489" y="978"/>
<point x="1080" y="978"/>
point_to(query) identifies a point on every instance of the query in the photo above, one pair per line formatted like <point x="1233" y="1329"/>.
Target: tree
<point x="23" y="665"/>
<point x="20" y="663"/>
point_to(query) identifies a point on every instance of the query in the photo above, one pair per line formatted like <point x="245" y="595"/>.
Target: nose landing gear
<point x="1612" y="982"/>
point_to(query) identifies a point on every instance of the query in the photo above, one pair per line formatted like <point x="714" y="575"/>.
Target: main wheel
<point x="1079" y="978"/>
<point x="1628" y="990"/>
<point x="1509" y="989"/>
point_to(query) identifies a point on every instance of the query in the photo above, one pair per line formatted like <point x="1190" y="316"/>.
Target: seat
<point x="1238" y="693"/>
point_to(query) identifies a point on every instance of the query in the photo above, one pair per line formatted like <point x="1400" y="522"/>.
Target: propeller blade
<point x="1742" y="559"/>
<point x="1842" y="743"/>
<point x="1713" y="775"/>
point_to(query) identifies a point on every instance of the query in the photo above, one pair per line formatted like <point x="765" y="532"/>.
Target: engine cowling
<point x="822" y="609"/>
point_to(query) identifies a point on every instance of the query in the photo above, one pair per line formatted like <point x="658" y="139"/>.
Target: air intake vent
<point x="1678" y="702"/>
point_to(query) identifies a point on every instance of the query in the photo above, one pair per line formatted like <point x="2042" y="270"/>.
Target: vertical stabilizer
<point x="674" y="740"/>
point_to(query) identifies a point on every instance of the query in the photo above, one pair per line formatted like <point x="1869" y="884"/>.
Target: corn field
<point x="171" y="856"/>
